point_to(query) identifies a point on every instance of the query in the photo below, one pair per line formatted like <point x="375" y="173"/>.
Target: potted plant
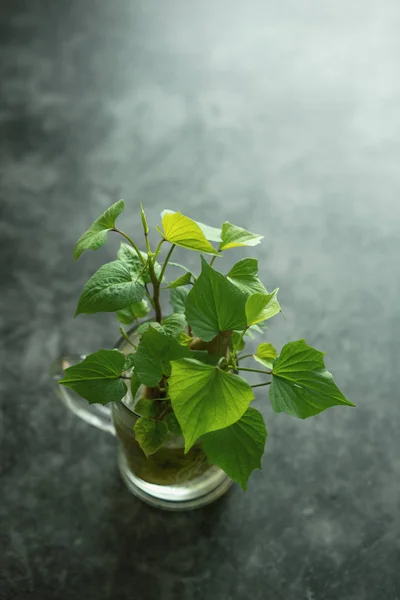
<point x="181" y="407"/>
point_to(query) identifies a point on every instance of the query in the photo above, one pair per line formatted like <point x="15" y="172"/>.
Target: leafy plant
<point x="189" y="363"/>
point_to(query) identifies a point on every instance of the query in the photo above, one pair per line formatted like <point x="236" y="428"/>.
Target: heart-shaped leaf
<point x="260" y="307"/>
<point x="96" y="235"/>
<point x="214" y="304"/>
<point x="265" y="354"/>
<point x="205" y="398"/>
<point x="150" y="434"/>
<point x="238" y="449"/>
<point x="213" y="234"/>
<point x="113" y="287"/>
<point x="244" y="274"/>
<point x="301" y="385"/>
<point x="233" y="236"/>
<point x="182" y="231"/>
<point x="97" y="377"/>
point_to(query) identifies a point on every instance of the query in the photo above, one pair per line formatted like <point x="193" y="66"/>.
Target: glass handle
<point x="95" y="414"/>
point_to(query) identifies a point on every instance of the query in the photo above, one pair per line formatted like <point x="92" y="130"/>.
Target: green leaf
<point x="143" y="327"/>
<point x="96" y="235"/>
<point x="213" y="234"/>
<point x="184" y="339"/>
<point x="97" y="377"/>
<point x="244" y="274"/>
<point x="214" y="304"/>
<point x="182" y="231"/>
<point x="238" y="449"/>
<point x="135" y="385"/>
<point x="233" y="236"/>
<point x="178" y="298"/>
<point x="153" y="356"/>
<point x="128" y="255"/>
<point x="260" y="307"/>
<point x="265" y="354"/>
<point x="129" y="362"/>
<point x="174" y="324"/>
<point x="301" y="385"/>
<point x="135" y="311"/>
<point x="145" y="407"/>
<point x="205" y="398"/>
<point x="150" y="434"/>
<point x="173" y="424"/>
<point x="183" y="280"/>
<point x="111" y="288"/>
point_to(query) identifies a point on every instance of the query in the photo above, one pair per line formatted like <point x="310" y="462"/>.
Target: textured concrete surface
<point x="280" y="116"/>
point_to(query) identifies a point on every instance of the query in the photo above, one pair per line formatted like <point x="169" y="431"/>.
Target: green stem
<point x="132" y="243"/>
<point x="254" y="370"/>
<point x="157" y="252"/>
<point x="245" y="356"/>
<point x="125" y="335"/>
<point x="241" y="336"/>
<point x="260" y="384"/>
<point x="212" y="260"/>
<point x="166" y="262"/>
<point x="156" y="284"/>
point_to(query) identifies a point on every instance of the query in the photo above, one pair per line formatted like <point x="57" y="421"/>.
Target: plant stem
<point x="157" y="252"/>
<point x="125" y="335"/>
<point x="146" y="237"/>
<point x="260" y="384"/>
<point x="157" y="282"/>
<point x="156" y="293"/>
<point x="242" y="335"/>
<point x="132" y="243"/>
<point x="166" y="262"/>
<point x="254" y="370"/>
<point x="212" y="260"/>
<point x="245" y="356"/>
<point x="163" y="413"/>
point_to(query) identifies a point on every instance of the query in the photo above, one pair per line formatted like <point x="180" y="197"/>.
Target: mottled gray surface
<point x="283" y="117"/>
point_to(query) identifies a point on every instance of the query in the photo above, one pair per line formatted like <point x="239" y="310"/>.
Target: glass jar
<point x="169" y="478"/>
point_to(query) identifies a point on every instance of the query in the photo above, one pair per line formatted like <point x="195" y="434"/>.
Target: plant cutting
<point x="183" y="375"/>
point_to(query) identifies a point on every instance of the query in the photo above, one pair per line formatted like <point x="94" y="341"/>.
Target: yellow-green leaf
<point x="265" y="354"/>
<point x="185" y="232"/>
<point x="233" y="236"/>
<point x="260" y="307"/>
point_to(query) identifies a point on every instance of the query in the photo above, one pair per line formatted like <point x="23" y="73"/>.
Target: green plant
<point x="190" y="362"/>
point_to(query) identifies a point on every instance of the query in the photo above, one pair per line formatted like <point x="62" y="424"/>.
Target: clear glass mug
<point x="169" y="478"/>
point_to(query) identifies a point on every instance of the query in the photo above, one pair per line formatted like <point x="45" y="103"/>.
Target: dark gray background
<point x="283" y="117"/>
